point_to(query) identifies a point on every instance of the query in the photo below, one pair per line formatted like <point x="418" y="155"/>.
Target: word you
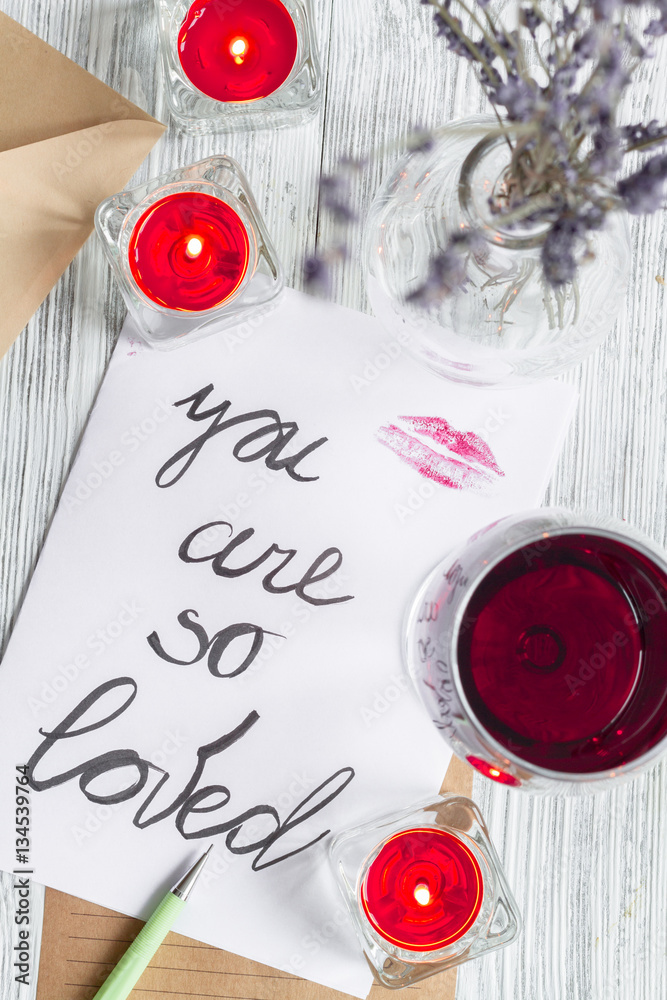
<point x="268" y="441"/>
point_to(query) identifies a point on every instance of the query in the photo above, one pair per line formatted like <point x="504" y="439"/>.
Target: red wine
<point x="563" y="653"/>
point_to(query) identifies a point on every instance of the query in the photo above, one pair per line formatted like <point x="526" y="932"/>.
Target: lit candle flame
<point x="239" y="49"/>
<point x="422" y="894"/>
<point x="194" y="246"/>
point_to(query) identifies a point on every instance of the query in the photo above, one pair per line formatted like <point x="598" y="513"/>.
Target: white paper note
<point x="315" y="450"/>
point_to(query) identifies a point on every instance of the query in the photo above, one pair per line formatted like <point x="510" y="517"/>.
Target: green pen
<point x="122" y="979"/>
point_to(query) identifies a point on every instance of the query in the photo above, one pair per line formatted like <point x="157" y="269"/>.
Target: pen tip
<point x="183" y="888"/>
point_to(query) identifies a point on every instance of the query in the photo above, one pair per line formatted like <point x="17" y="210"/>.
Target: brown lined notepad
<point x="82" y="942"/>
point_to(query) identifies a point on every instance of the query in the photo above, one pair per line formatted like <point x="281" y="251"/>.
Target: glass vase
<point x="506" y="325"/>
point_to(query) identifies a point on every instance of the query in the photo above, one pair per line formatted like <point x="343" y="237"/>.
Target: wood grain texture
<point x="590" y="876"/>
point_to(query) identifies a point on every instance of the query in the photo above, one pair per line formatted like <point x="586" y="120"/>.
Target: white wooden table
<point x="590" y="876"/>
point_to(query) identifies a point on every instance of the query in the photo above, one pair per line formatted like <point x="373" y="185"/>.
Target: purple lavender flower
<point x="486" y="50"/>
<point x="607" y="154"/>
<point x="454" y="42"/>
<point x="558" y="252"/>
<point x="604" y="10"/>
<point x="642" y="191"/>
<point x="517" y="97"/>
<point x="316" y="273"/>
<point x="509" y="41"/>
<point x="335" y="195"/>
<point x="636" y="135"/>
<point x="598" y="103"/>
<point x="586" y="46"/>
<point x="657" y="28"/>
<point x="570" y="22"/>
<point x="530" y="18"/>
<point x="447" y="271"/>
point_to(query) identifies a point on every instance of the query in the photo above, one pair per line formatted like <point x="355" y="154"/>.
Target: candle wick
<point x="239" y="49"/>
<point x="422" y="894"/>
<point x="194" y="246"/>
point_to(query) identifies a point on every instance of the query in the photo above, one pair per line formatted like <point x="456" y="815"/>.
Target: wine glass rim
<point x="633" y="540"/>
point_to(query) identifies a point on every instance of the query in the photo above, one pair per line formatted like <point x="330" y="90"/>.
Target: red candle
<point x="423" y="890"/>
<point x="240" y="51"/>
<point x="189" y="251"/>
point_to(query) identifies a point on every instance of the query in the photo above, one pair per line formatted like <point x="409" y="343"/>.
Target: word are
<point x="324" y="566"/>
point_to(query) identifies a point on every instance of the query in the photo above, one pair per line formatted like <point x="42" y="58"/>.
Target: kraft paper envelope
<point x="67" y="141"/>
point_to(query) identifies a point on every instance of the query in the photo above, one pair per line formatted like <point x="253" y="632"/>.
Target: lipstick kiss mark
<point x="475" y="468"/>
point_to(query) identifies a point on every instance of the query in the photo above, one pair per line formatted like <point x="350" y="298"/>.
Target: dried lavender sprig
<point x="642" y="192"/>
<point x="643" y="136"/>
<point x="547" y="166"/>
<point x="448" y="24"/>
<point x="447" y="271"/>
<point x="566" y="148"/>
<point x="559" y="261"/>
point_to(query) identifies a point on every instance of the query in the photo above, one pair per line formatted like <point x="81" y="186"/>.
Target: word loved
<point x="193" y="800"/>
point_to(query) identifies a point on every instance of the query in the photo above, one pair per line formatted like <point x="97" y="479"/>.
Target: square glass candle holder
<point x="190" y="252"/>
<point x="239" y="64"/>
<point x="425" y="890"/>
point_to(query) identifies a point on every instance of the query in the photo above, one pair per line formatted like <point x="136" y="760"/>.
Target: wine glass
<point x="539" y="650"/>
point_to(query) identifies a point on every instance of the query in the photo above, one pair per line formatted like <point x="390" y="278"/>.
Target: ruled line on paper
<point x="180" y="968"/>
<point x="166" y="944"/>
<point x="179" y="993"/>
<point x="84" y="937"/>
